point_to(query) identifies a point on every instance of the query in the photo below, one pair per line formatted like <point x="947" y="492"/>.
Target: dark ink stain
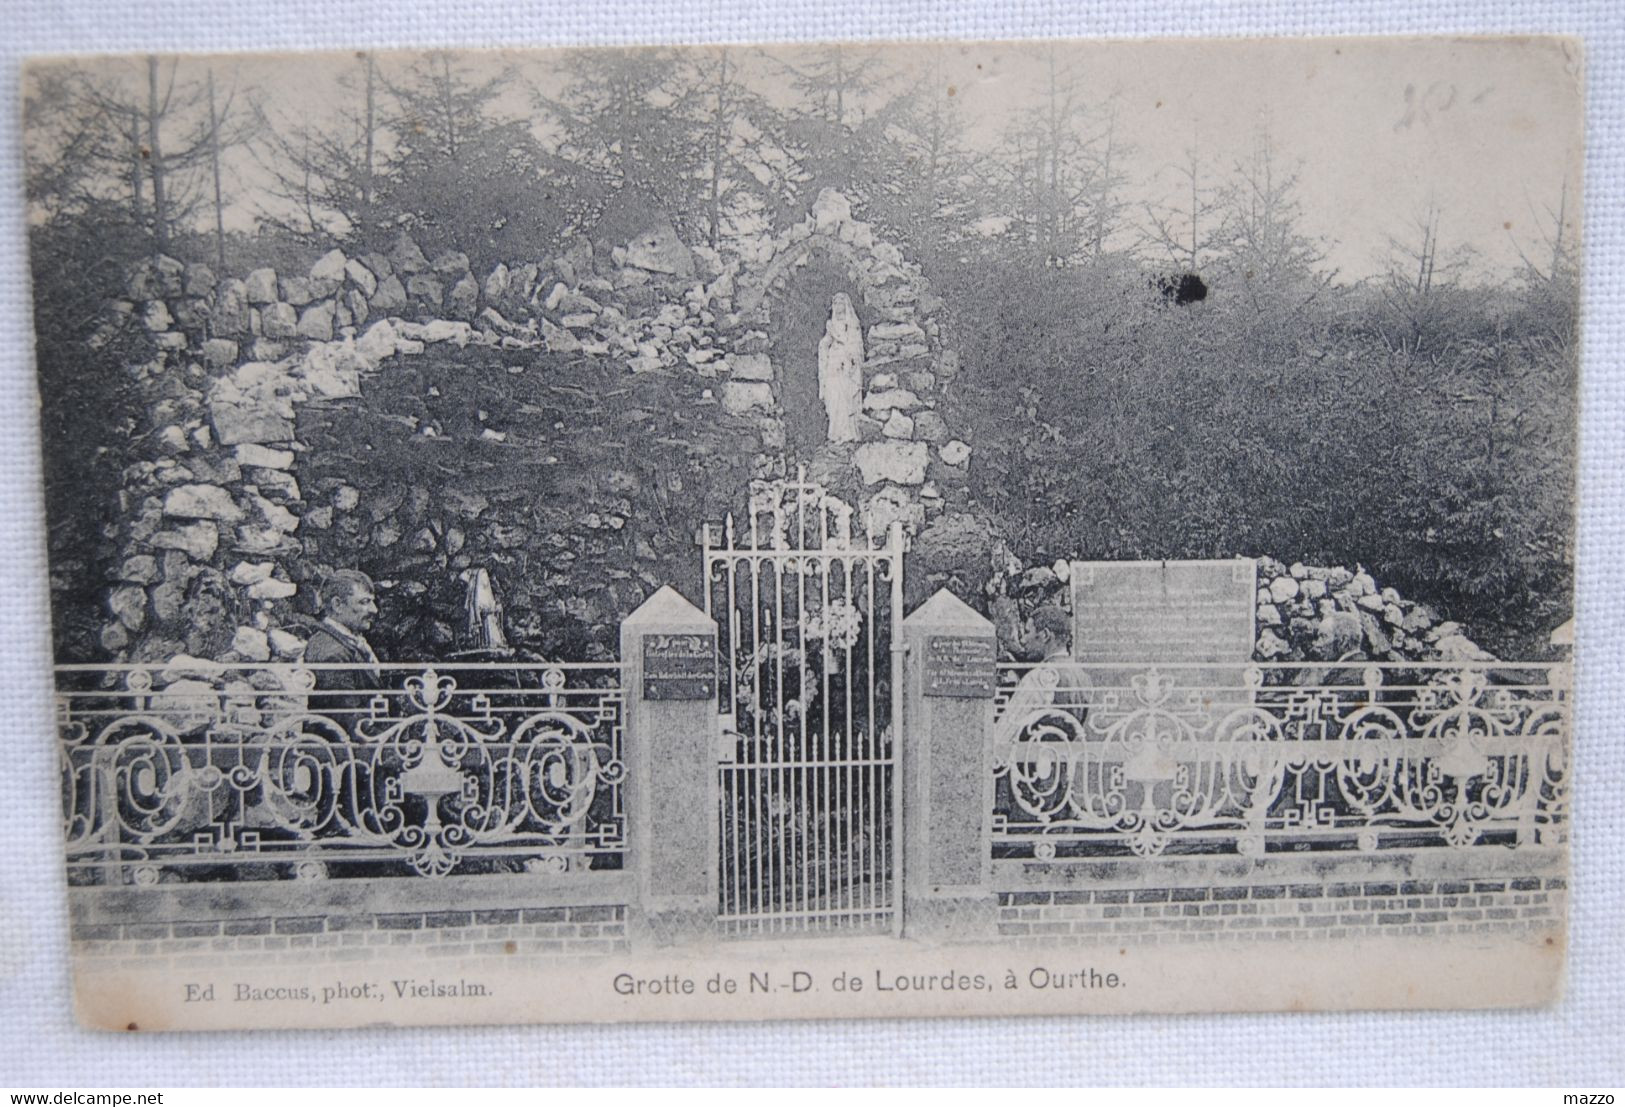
<point x="1186" y="288"/>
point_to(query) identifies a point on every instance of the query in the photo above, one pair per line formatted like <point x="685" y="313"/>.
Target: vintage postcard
<point x="810" y="531"/>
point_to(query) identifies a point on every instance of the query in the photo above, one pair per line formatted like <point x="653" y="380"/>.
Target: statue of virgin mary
<point x="840" y="369"/>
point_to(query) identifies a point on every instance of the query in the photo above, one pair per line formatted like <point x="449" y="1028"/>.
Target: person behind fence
<point x="1339" y="641"/>
<point x="1056" y="684"/>
<point x="1339" y="684"/>
<point x="348" y="611"/>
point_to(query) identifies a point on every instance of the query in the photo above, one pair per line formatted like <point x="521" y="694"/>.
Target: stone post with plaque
<point x="669" y="648"/>
<point x="949" y="684"/>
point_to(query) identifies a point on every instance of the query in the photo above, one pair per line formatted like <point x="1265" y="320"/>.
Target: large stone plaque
<point x="1163" y="611"/>
<point x="679" y="666"/>
<point x="960" y="666"/>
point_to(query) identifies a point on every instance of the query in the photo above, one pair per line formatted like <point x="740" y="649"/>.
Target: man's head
<point x="348" y="600"/>
<point x="1052" y="630"/>
<point x="1338" y="633"/>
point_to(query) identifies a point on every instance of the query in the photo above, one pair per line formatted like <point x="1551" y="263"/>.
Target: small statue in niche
<point x="840" y="369"/>
<point x="484" y="612"/>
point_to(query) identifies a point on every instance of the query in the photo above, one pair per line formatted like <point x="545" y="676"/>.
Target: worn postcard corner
<point x="810" y="531"/>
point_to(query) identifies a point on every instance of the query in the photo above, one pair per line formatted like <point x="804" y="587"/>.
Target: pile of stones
<point x="1293" y="600"/>
<point x="1293" y="603"/>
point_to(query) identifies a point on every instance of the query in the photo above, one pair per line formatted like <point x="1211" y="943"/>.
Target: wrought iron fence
<point x="196" y="772"/>
<point x="1147" y="761"/>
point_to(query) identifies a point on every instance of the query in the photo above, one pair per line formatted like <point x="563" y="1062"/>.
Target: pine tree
<point x="732" y="121"/>
<point x="631" y="128"/>
<point x="837" y="134"/>
<point x="461" y="171"/>
<point x="1263" y="256"/>
<point x="925" y="193"/>
<point x="1059" y="171"/>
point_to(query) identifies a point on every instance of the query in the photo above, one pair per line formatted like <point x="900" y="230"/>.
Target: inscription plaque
<point x="1134" y="615"/>
<point x="679" y="666"/>
<point x="1167" y="611"/>
<point x="960" y="666"/>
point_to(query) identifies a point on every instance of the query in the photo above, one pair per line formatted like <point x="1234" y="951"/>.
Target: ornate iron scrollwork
<point x="1148" y="763"/>
<point x="200" y="774"/>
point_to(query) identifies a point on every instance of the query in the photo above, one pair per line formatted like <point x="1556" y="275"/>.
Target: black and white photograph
<point x="810" y="531"/>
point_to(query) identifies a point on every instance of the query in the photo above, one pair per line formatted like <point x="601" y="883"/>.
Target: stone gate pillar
<point x="668" y="650"/>
<point x="947" y="781"/>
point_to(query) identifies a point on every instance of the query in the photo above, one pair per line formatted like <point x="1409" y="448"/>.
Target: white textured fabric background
<point x="1579" y="1044"/>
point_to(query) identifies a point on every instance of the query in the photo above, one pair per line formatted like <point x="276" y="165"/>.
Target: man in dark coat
<point x="349" y="609"/>
<point x="1056" y="684"/>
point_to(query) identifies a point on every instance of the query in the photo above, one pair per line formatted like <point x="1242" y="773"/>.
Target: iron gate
<point x="810" y="699"/>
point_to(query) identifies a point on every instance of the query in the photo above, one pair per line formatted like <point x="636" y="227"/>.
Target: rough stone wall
<point x="214" y="517"/>
<point x="216" y="514"/>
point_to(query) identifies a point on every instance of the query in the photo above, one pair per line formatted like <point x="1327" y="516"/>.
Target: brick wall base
<point x="544" y="931"/>
<point x="1152" y="915"/>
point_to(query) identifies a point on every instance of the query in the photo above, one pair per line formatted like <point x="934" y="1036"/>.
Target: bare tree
<point x="111" y="110"/>
<point x="1060" y="167"/>
<point x="369" y="131"/>
<point x="155" y="153"/>
<point x="186" y="112"/>
<point x="1106" y="205"/>
<point x="1419" y="287"/>
<point x="1550" y="273"/>
<point x="79" y="154"/>
<point x="463" y="166"/>
<point x="1185" y="226"/>
<point x="325" y="179"/>
<point x="1556" y="233"/>
<point x="228" y="126"/>
<point x="149" y="145"/>
<point x="931" y="169"/>
<point x="735" y="122"/>
<point x="837" y="134"/>
<point x="839" y="83"/>
<point x="1037" y="168"/>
